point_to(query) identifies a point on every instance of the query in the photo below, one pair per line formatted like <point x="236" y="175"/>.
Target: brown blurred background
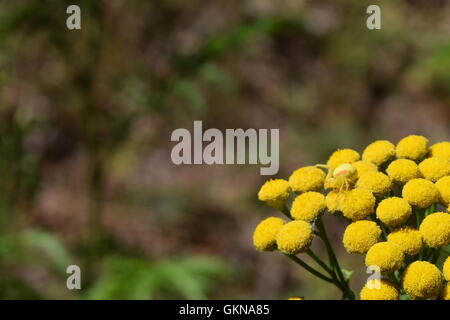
<point x="86" y="117"/>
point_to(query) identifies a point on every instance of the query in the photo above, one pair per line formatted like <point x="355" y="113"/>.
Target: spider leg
<point x="341" y="185"/>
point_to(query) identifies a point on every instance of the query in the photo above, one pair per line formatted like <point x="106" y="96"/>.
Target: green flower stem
<point x="333" y="260"/>
<point x="309" y="268"/>
<point x="435" y="256"/>
<point x="331" y="255"/>
<point x="284" y="209"/>
<point x="393" y="278"/>
<point x="384" y="229"/>
<point x="331" y="272"/>
<point x="424" y="253"/>
<point x="310" y="253"/>
<point x="420" y="215"/>
<point x="384" y="232"/>
<point x="431" y="209"/>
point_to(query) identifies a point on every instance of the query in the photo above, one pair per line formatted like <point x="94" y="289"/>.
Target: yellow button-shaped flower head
<point x="422" y="280"/>
<point x="274" y="192"/>
<point x="379" y="290"/>
<point x="403" y="170"/>
<point x="435" y="229"/>
<point x="363" y="167"/>
<point x="440" y="150"/>
<point x="443" y="186"/>
<point x="420" y="192"/>
<point x="307" y="179"/>
<point x="394" y="211"/>
<point x="379" y="152"/>
<point x="264" y="237"/>
<point x="296" y="298"/>
<point x="358" y="204"/>
<point x="412" y="147"/>
<point x="409" y="240"/>
<point x="434" y="168"/>
<point x="387" y="256"/>
<point x="446" y="269"/>
<point x="308" y="206"/>
<point x="445" y="292"/>
<point x="295" y="237"/>
<point x="375" y="181"/>
<point x="334" y="200"/>
<point x="343" y="156"/>
<point x="360" y="236"/>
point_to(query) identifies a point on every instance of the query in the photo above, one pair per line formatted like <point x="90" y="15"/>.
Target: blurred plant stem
<point x="97" y="143"/>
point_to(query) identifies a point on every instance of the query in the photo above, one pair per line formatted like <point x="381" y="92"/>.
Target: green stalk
<point x="319" y="261"/>
<point x="284" y="209"/>
<point x="420" y="215"/>
<point x="331" y="255"/>
<point x="333" y="260"/>
<point x="309" y="268"/>
<point x="326" y="268"/>
<point x="435" y="256"/>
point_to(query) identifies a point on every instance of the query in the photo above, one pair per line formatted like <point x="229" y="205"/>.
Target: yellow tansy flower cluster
<point x="422" y="280"/>
<point x="308" y="206"/>
<point x="379" y="290"/>
<point x="408" y="239"/>
<point x="294" y="237"/>
<point x="394" y="198"/>
<point x="360" y="236"/>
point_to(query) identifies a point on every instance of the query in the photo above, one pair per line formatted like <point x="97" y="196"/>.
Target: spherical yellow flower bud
<point x="407" y="239"/>
<point x="435" y="229"/>
<point x="379" y="290"/>
<point x="308" y="206"/>
<point x="307" y="179"/>
<point x="440" y="150"/>
<point x="296" y="298"/>
<point x="445" y="292"/>
<point x="343" y="156"/>
<point x="375" y="181"/>
<point x="387" y="256"/>
<point x="360" y="236"/>
<point x="379" y="152"/>
<point x="363" y="166"/>
<point x="264" y="237"/>
<point x="420" y="192"/>
<point x="434" y="168"/>
<point x="334" y="200"/>
<point x="443" y="186"/>
<point x="412" y="147"/>
<point x="421" y="280"/>
<point x="274" y="192"/>
<point x="295" y="237"/>
<point x="446" y="269"/>
<point x="393" y="211"/>
<point x="358" y="204"/>
<point x="403" y="170"/>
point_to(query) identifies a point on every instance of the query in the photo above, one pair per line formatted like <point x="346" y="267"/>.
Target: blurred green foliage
<point x="182" y="278"/>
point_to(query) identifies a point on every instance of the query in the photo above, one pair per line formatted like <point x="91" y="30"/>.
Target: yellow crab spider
<point x="341" y="177"/>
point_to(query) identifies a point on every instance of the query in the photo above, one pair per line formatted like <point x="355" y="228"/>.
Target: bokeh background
<point x="86" y="118"/>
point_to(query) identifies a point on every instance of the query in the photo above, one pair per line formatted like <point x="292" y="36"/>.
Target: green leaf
<point x="49" y="244"/>
<point x="130" y="278"/>
<point x="347" y="273"/>
<point x="404" y="296"/>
